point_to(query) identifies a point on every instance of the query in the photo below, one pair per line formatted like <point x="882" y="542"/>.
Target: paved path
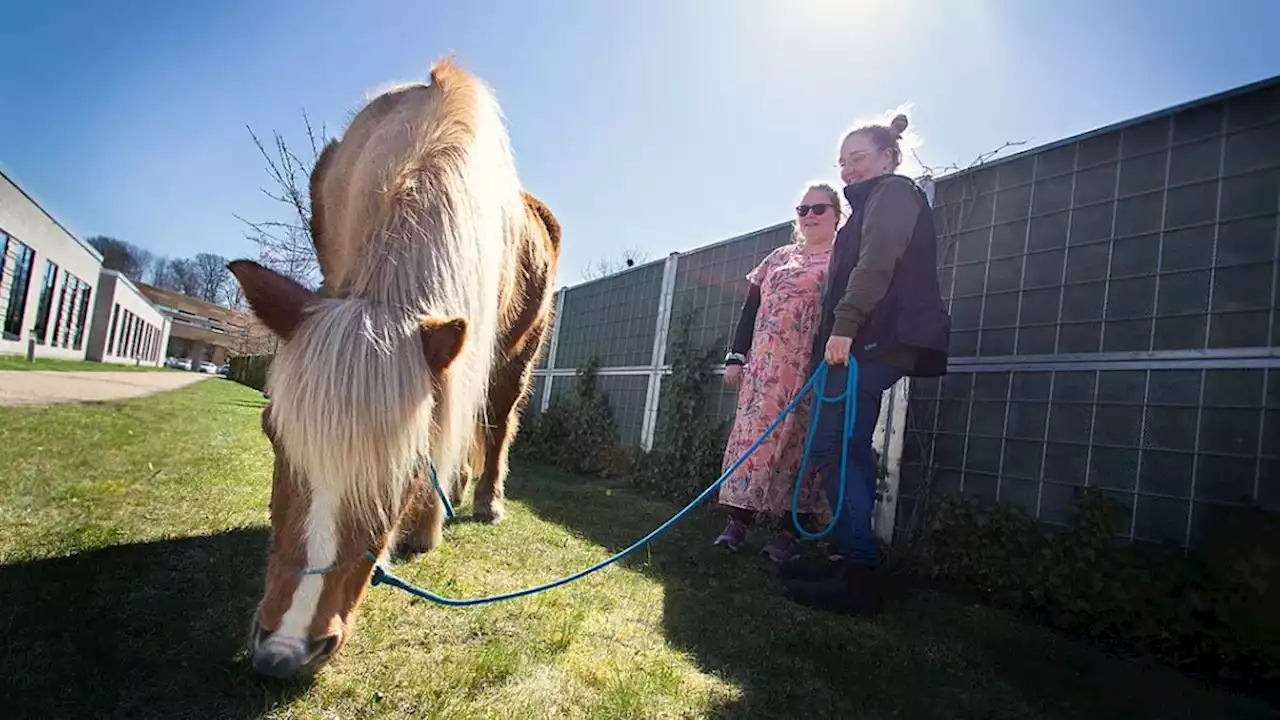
<point x="35" y="387"/>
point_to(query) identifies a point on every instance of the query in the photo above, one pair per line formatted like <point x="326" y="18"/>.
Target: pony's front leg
<point x="491" y="490"/>
<point x="421" y="527"/>
<point x="506" y="398"/>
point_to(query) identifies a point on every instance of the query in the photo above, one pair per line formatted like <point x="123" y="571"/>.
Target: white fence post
<point x="658" y="359"/>
<point x="553" y="342"/>
<point x="889" y="435"/>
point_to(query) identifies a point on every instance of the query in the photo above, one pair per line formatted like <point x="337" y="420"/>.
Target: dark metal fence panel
<point x="711" y="283"/>
<point x="612" y="320"/>
<point x="1114" y="303"/>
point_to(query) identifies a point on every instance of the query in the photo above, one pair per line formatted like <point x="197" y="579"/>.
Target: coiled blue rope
<point x="383" y="576"/>
<point x="850" y="398"/>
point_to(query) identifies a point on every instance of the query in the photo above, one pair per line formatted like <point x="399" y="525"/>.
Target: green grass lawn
<point x="132" y="537"/>
<point x="19" y="362"/>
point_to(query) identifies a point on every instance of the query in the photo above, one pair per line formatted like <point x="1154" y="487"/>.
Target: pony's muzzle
<point x="282" y="657"/>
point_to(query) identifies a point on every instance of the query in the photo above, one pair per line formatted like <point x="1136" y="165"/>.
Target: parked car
<point x="208" y="368"/>
<point x="178" y="363"/>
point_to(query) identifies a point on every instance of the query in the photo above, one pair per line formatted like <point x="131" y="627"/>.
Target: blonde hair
<point x="888" y="133"/>
<point x="832" y="195"/>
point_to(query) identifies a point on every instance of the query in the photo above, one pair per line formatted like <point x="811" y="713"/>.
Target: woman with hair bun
<point x="882" y="305"/>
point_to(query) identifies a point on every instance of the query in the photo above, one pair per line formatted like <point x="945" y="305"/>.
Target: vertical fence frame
<point x="658" y="362"/>
<point x="552" y="343"/>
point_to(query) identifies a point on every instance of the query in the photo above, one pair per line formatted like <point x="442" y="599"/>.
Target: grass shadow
<point x="147" y="630"/>
<point x="929" y="655"/>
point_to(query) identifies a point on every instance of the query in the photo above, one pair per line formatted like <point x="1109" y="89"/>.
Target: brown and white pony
<point x="423" y="224"/>
<point x="527" y="303"/>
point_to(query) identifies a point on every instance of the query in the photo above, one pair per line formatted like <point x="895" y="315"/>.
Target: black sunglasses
<point x="819" y="209"/>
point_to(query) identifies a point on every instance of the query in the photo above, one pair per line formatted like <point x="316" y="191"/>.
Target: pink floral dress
<point x="790" y="281"/>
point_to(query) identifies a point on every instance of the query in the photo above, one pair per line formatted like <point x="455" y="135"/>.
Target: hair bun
<point x="898" y="125"/>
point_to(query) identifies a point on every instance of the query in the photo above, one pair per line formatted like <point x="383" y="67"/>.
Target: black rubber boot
<point x="851" y="590"/>
<point x="810" y="569"/>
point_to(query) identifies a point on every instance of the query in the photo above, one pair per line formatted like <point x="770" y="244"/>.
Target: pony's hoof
<point x="492" y="515"/>
<point x="413" y="549"/>
<point x="409" y="546"/>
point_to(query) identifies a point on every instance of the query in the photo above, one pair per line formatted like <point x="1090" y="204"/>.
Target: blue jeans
<point x="852" y="535"/>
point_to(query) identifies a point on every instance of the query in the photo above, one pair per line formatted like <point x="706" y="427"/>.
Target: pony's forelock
<point x="352" y="404"/>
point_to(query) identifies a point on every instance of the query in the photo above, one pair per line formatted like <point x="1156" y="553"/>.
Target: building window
<point x="57" y="317"/>
<point x="23" y="257"/>
<point x="137" y="337"/>
<point x="69" y="292"/>
<point x="45" y="305"/>
<point x="111" y="336"/>
<point x="69" y="309"/>
<point x="4" y="254"/>
<point x="73" y="304"/>
<point x="86" y="292"/>
<point x="125" y="329"/>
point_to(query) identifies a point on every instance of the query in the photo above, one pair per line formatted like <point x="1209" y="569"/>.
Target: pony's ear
<point x="277" y="300"/>
<point x="317" y="203"/>
<point x="539" y="208"/>
<point x="442" y="341"/>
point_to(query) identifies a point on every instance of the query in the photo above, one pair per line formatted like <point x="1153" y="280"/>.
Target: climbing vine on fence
<point x="577" y="432"/>
<point x="689" y="441"/>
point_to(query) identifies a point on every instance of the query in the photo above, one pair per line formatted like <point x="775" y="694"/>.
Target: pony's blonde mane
<point x="426" y="199"/>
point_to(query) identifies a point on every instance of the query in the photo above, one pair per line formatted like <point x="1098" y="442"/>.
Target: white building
<point x="126" y="328"/>
<point x="50" y="281"/>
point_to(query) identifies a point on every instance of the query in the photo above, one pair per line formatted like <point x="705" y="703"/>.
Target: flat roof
<point x="92" y="250"/>
<point x="121" y="277"/>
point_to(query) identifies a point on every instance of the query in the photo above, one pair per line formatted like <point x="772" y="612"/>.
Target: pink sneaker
<point x="783" y="549"/>
<point x="735" y="533"/>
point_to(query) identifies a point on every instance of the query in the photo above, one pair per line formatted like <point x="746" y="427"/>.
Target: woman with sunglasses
<point x="767" y="363"/>
<point x="884" y="307"/>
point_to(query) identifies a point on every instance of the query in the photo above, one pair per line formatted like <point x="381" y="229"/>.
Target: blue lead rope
<point x="850" y="397"/>
<point x="383" y="576"/>
<point x="435" y="480"/>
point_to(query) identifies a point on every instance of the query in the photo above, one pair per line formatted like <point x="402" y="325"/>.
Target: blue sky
<point x="660" y="125"/>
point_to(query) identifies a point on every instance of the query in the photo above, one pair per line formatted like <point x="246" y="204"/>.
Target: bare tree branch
<point x="124" y="257"/>
<point x="936" y="171"/>
<point x="286" y="245"/>
<point x="212" y="277"/>
<point x="627" y="258"/>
